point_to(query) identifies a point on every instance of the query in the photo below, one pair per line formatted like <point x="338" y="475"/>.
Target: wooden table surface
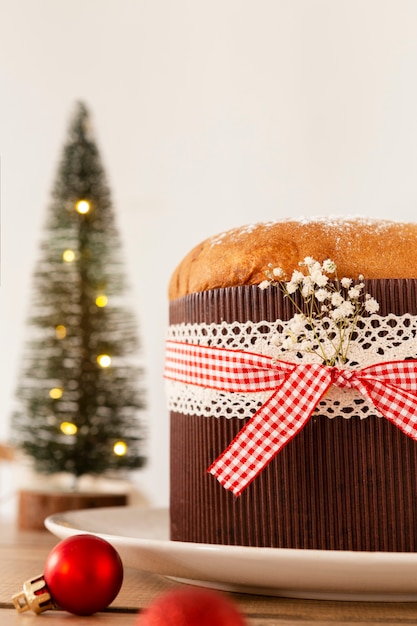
<point x="23" y="554"/>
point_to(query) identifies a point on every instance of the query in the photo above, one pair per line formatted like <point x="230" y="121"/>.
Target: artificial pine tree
<point x="80" y="394"/>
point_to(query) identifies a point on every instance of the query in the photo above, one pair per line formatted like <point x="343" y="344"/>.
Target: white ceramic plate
<point x="141" y="536"/>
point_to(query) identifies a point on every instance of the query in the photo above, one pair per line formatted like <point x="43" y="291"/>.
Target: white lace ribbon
<point x="377" y="339"/>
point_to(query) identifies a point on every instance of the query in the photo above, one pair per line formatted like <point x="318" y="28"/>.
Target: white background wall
<point x="209" y="114"/>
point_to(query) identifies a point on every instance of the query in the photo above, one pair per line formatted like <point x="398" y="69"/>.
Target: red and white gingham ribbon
<point x="296" y="391"/>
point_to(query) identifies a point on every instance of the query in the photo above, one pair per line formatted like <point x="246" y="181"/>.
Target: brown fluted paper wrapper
<point x="340" y="484"/>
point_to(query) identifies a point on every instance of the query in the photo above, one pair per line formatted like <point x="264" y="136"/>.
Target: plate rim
<point x="52" y="522"/>
<point x="177" y="560"/>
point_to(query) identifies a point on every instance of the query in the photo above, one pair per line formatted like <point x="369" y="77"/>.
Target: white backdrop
<point x="209" y="114"/>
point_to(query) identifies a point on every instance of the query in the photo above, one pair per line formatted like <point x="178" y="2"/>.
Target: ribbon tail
<point x="282" y="416"/>
<point x="396" y="404"/>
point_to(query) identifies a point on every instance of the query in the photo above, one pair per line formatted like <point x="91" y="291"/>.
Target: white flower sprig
<point x="329" y="311"/>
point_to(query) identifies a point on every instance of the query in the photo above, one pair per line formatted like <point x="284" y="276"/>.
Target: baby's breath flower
<point x="291" y="287"/>
<point x="307" y="289"/>
<point x="342" y="312"/>
<point x="371" y="305"/>
<point x="337" y="299"/>
<point x="347" y="309"/>
<point x="329" y="266"/>
<point x="346" y="282"/>
<point x="322" y="295"/>
<point x="337" y="314"/>
<point x="354" y="292"/>
<point x="278" y="272"/>
<point x="308" y="261"/>
<point x="297" y="324"/>
<point x="297" y="277"/>
<point x="318" y="277"/>
<point x="324" y="323"/>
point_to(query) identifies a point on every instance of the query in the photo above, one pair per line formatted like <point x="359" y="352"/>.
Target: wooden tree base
<point x="36" y="505"/>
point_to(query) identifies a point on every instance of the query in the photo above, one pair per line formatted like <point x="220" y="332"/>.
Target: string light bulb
<point x="56" y="392"/>
<point x="120" y="448"/>
<point x="104" y="360"/>
<point x="68" y="428"/>
<point x="60" y="332"/>
<point x="68" y="256"/>
<point x="82" y="207"/>
<point x="101" y="300"/>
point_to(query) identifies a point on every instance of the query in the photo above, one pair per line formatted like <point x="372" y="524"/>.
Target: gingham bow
<point x="296" y="391"/>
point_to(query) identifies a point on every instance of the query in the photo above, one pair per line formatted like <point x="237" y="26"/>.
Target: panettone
<point x="346" y="476"/>
<point x="375" y="248"/>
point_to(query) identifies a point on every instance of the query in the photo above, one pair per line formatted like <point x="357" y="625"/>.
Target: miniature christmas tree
<point x="80" y="395"/>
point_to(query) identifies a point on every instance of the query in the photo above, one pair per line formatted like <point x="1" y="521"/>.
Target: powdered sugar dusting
<point x="331" y="223"/>
<point x="235" y="233"/>
<point x="348" y="221"/>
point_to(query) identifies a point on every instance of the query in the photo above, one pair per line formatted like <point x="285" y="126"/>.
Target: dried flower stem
<point x="325" y="322"/>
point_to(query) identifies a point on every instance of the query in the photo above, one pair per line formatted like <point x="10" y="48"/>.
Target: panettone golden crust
<point x="374" y="248"/>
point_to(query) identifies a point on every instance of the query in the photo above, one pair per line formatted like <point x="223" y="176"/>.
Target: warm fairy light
<point x="120" y="448"/>
<point x="56" y="392"/>
<point x="82" y="206"/>
<point x="68" y="428"/>
<point x="60" y="332"/>
<point x="68" y="256"/>
<point x="104" y="360"/>
<point x="101" y="300"/>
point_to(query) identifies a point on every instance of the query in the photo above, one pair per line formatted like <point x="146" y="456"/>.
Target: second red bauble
<point x="190" y="606"/>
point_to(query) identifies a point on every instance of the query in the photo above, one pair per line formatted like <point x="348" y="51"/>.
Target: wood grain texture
<point x="23" y="553"/>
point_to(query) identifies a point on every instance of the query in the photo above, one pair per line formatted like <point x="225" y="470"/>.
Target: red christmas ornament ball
<point x="84" y="574"/>
<point x="192" y="607"/>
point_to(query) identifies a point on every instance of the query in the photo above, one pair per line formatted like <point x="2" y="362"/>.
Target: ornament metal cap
<point x="35" y="596"/>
